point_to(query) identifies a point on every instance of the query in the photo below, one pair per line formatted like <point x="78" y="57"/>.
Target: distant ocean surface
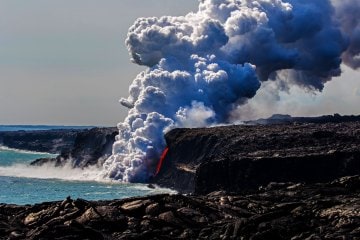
<point x="24" y="184"/>
<point x="4" y="128"/>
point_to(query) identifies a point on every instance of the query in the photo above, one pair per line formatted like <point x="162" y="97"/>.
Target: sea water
<point x="21" y="183"/>
<point x="38" y="127"/>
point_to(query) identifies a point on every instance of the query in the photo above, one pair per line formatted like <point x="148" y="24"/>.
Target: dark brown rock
<point x="152" y="209"/>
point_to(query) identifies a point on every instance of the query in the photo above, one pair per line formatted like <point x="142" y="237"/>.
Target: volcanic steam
<point x="203" y="65"/>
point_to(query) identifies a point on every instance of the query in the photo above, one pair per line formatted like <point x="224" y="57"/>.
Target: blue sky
<point x="65" y="62"/>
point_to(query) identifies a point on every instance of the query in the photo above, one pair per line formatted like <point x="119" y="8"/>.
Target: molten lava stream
<point x="160" y="163"/>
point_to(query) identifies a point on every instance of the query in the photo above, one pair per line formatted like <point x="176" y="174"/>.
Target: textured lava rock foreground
<point x="276" y="211"/>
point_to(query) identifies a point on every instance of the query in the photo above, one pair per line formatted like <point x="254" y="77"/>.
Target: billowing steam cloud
<point x="348" y="14"/>
<point x="205" y="64"/>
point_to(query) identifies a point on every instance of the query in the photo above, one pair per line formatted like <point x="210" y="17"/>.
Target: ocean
<point x="4" y="128"/>
<point x="22" y="184"/>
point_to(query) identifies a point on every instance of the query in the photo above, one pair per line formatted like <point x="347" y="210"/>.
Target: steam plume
<point x="203" y="65"/>
<point x="348" y="12"/>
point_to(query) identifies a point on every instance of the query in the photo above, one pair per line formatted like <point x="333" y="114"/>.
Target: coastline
<point x="5" y="148"/>
<point x="276" y="211"/>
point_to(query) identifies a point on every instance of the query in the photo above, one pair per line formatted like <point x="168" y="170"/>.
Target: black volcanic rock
<point x="92" y="146"/>
<point x="244" y="157"/>
<point x="278" y="211"/>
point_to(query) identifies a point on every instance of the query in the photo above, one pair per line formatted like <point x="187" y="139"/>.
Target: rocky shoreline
<point x="276" y="211"/>
<point x="79" y="147"/>
<point x="89" y="147"/>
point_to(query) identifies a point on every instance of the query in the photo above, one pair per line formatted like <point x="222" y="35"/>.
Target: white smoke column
<point x="205" y="64"/>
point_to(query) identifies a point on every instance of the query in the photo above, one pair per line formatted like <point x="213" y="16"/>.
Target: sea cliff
<point x="243" y="157"/>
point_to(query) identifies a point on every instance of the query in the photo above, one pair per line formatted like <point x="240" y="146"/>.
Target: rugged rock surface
<point x="242" y="157"/>
<point x="90" y="147"/>
<point x="276" y="211"/>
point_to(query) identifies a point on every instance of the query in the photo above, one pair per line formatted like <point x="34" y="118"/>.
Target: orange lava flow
<point x="160" y="163"/>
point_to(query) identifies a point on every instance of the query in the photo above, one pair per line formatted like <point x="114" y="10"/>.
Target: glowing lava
<point x="160" y="163"/>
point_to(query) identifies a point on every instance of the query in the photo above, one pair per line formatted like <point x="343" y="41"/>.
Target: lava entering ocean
<point x="161" y="161"/>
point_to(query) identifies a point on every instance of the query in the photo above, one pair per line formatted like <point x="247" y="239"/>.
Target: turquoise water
<point x="24" y="184"/>
<point x="10" y="157"/>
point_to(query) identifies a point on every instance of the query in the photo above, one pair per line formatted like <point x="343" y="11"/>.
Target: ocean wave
<point x="155" y="190"/>
<point x="49" y="171"/>
<point x="5" y="148"/>
<point x="68" y="173"/>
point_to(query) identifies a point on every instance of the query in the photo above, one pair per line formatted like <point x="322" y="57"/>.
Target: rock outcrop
<point x="243" y="157"/>
<point x="276" y="211"/>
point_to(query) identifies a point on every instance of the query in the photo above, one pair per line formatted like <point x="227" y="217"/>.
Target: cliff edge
<point x="244" y="157"/>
